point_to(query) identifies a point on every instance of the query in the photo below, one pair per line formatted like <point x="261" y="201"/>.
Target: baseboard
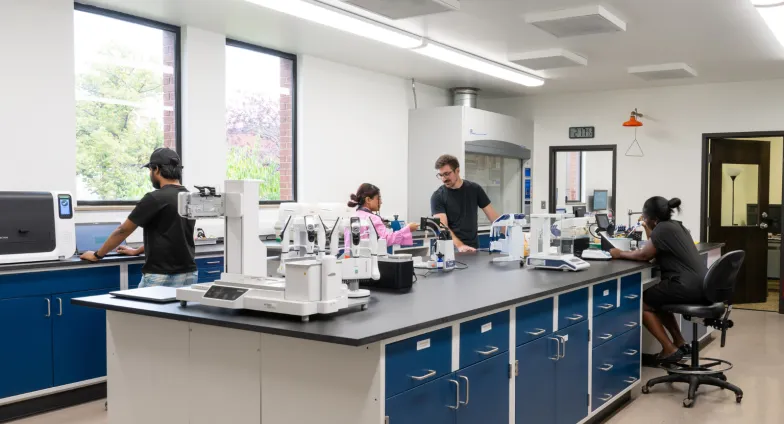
<point x="649" y="360"/>
<point x="25" y="408"/>
<point x="611" y="409"/>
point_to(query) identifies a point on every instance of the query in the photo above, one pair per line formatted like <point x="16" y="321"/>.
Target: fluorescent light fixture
<point x="772" y="12"/>
<point x="478" y="64"/>
<point x="334" y="17"/>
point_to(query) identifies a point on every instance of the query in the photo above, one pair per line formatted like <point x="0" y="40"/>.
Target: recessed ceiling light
<point x="402" y="9"/>
<point x="663" y="71"/>
<point x="576" y="21"/>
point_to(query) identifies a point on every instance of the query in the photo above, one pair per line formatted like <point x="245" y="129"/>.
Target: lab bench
<point x="492" y="343"/>
<point x="51" y="346"/>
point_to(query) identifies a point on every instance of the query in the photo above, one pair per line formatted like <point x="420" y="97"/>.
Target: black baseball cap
<point x="163" y="156"/>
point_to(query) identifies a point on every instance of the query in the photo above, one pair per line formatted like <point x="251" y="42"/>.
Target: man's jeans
<point x="174" y="280"/>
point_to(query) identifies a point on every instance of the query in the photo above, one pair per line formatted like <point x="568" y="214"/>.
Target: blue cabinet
<point x="485" y="392"/>
<point x="572" y="308"/>
<point x="430" y="403"/>
<point x="534" y="320"/>
<point x="571" y="375"/>
<point x="79" y="339"/>
<point x="26" y="352"/>
<point x="134" y="275"/>
<point x="484" y="337"/>
<point x="535" y="381"/>
<point x="210" y="269"/>
<point x="616" y="365"/>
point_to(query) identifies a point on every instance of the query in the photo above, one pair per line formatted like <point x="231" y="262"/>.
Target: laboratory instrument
<point x="312" y="286"/>
<point x="304" y="234"/>
<point x="596" y="255"/>
<point x="360" y="260"/>
<point x="36" y="226"/>
<point x="397" y="273"/>
<point x="442" y="249"/>
<point x="512" y="244"/>
<point x="546" y="230"/>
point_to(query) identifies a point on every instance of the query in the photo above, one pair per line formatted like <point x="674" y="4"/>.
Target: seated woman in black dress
<point x="682" y="273"/>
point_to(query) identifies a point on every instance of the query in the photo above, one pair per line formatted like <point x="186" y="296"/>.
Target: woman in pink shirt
<point x="367" y="200"/>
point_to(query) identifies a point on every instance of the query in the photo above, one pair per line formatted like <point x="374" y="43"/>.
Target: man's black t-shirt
<point x="168" y="237"/>
<point x="460" y="205"/>
<point x="678" y="257"/>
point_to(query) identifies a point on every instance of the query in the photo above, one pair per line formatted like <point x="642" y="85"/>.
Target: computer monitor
<point x="600" y="198"/>
<point x="602" y="221"/>
<point x="774" y="215"/>
<point x="91" y="236"/>
<point x="579" y="211"/>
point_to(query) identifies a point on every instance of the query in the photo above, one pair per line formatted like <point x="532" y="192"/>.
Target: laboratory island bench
<point x="491" y="344"/>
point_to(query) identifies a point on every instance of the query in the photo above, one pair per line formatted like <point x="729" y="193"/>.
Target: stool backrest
<point x="719" y="283"/>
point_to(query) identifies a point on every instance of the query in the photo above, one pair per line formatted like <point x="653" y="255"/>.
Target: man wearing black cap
<point x="168" y="238"/>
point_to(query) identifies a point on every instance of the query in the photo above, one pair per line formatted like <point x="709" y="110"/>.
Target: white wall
<point x="37" y="100"/>
<point x="675" y="119"/>
<point x="353" y="128"/>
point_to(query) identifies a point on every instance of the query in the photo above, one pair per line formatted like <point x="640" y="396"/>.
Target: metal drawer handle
<point x="631" y="296"/>
<point x="492" y="350"/>
<point x="468" y="390"/>
<point x="630" y="380"/>
<point x="575" y="317"/>
<point x="48" y="308"/>
<point x="606" y="397"/>
<point x="606" y="306"/>
<point x="213" y="272"/>
<point x="558" y="345"/>
<point x="60" y="302"/>
<point x="539" y="332"/>
<point x="606" y="367"/>
<point x="630" y="352"/>
<point x="631" y="324"/>
<point x="429" y="374"/>
<point x="563" y="343"/>
<point x="213" y="262"/>
<point x="457" y="395"/>
<point x="607" y="336"/>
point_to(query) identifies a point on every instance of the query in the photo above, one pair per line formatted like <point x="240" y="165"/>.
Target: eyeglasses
<point x="444" y="175"/>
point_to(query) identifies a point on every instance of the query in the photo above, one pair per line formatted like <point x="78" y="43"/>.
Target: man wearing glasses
<point x="455" y="204"/>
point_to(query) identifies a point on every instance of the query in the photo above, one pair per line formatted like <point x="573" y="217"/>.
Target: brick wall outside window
<point x="169" y="122"/>
<point x="286" y="131"/>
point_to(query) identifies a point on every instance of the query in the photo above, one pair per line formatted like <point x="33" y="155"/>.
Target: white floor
<point x="755" y="346"/>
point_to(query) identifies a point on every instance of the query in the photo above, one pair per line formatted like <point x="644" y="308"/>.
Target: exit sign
<point x="581" y="132"/>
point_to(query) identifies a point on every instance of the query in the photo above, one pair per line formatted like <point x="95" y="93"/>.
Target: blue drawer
<point x="89" y="277"/>
<point x="209" y="263"/>
<point x="483" y="338"/>
<point x="134" y="275"/>
<point x="608" y="327"/>
<point x="418" y="360"/>
<point x="605" y="297"/>
<point x="572" y="308"/>
<point x="534" y="320"/>
<point x="209" y="275"/>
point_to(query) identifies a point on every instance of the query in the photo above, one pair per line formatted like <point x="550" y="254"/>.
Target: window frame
<point x="177" y="83"/>
<point x="230" y="42"/>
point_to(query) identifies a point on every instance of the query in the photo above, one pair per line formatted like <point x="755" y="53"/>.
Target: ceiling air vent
<point x="663" y="72"/>
<point x="585" y="20"/>
<point x="548" y="59"/>
<point x="401" y="9"/>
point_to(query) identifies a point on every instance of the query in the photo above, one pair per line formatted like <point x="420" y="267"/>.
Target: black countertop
<point x="436" y="299"/>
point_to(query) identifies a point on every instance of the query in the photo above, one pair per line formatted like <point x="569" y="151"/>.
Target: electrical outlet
<point x="544" y="204"/>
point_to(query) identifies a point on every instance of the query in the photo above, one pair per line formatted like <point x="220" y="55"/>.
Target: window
<point x="126" y="102"/>
<point x="574" y="177"/>
<point x="260" y="114"/>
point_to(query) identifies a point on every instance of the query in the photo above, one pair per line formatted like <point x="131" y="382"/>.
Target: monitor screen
<point x="602" y="221"/>
<point x="599" y="200"/>
<point x="579" y="211"/>
<point x="92" y="236"/>
<point x="774" y="215"/>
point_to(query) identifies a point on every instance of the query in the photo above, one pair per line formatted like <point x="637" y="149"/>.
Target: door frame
<point x="581" y="148"/>
<point x="704" y="190"/>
